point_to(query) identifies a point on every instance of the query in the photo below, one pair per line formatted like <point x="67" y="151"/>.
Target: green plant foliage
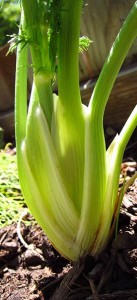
<point x="84" y="43"/>
<point x="69" y="179"/>
<point x="11" y="199"/>
<point x="9" y="20"/>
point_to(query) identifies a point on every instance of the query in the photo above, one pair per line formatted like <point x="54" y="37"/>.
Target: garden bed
<point x="30" y="268"/>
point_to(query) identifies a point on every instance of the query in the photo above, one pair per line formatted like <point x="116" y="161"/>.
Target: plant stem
<point x="21" y="91"/>
<point x="69" y="125"/>
<point x="68" y="56"/>
<point x="36" y="30"/>
<point x="95" y="179"/>
<point x="118" y="52"/>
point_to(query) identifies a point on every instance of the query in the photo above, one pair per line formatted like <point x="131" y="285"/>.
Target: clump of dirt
<point x="37" y="271"/>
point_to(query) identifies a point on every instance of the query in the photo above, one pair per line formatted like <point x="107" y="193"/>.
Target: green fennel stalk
<point x="68" y="178"/>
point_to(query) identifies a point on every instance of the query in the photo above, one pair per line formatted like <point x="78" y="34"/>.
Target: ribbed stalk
<point x="36" y="30"/>
<point x="118" y="52"/>
<point x="21" y="92"/>
<point x="68" y="133"/>
<point x="68" y="56"/>
<point x="128" y="129"/>
<point x="71" y="184"/>
<point x="96" y="178"/>
<point x="114" y="159"/>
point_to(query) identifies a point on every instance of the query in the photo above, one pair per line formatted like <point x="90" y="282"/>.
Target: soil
<point x="32" y="269"/>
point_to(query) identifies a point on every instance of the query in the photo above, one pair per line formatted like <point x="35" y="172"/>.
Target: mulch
<point x="35" y="270"/>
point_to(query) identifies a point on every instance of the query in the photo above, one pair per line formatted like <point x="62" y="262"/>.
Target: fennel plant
<point x="68" y="178"/>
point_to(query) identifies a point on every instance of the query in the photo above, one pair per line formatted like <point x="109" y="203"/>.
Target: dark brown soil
<point x="39" y="272"/>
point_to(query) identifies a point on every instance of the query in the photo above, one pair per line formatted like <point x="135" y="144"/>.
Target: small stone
<point x="34" y="297"/>
<point x="122" y="241"/>
<point x="130" y="257"/>
<point x="33" y="258"/>
<point x="10" y="246"/>
<point x="134" y="270"/>
<point x="47" y="252"/>
<point x="124" y="218"/>
<point x="14" y="262"/>
<point x="126" y="202"/>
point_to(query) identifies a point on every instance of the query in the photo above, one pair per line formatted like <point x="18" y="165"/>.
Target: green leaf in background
<point x="11" y="199"/>
<point x="9" y="20"/>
